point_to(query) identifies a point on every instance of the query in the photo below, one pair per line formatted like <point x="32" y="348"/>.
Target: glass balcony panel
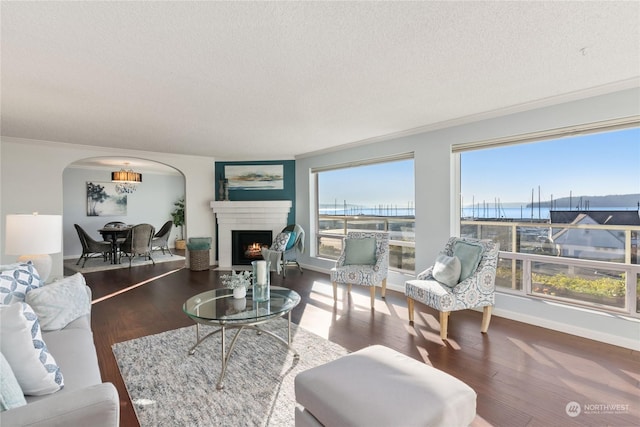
<point x="402" y="229"/>
<point x="509" y="274"/>
<point x="402" y="258"/>
<point x="331" y="226"/>
<point x="581" y="284"/>
<point x="365" y="225"/>
<point x="329" y="247"/>
<point x="590" y="244"/>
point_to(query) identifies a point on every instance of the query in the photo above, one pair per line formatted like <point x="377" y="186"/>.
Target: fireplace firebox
<point x="246" y="245"/>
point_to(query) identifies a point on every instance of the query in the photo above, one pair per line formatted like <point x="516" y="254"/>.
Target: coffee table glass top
<point x="219" y="306"/>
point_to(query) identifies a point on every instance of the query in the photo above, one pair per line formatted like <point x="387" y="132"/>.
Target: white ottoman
<point x="378" y="386"/>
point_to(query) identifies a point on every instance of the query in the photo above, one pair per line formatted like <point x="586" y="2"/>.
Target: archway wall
<point x="31" y="179"/>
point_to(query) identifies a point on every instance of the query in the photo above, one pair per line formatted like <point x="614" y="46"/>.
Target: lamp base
<point x="42" y="264"/>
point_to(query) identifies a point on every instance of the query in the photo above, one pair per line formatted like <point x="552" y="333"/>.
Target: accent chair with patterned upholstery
<point x="364" y="261"/>
<point x="474" y="262"/>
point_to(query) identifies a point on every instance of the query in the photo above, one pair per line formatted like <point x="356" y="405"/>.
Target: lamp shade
<point x="33" y="234"/>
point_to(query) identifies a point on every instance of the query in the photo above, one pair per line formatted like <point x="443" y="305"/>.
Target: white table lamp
<point x="34" y="237"/>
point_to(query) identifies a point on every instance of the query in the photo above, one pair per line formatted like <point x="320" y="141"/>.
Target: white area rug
<point x="168" y="387"/>
<point x="97" y="264"/>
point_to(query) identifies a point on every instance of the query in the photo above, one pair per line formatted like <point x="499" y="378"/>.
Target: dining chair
<point x="92" y="248"/>
<point x="160" y="240"/>
<point x="137" y="243"/>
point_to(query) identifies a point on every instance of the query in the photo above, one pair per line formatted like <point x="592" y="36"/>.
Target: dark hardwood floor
<point x="524" y="375"/>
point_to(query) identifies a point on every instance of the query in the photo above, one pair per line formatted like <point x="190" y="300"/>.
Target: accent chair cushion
<point x="446" y="270"/>
<point x="11" y="395"/>
<point x="17" y="281"/>
<point x="60" y="302"/>
<point x="280" y="242"/>
<point x="22" y="344"/>
<point x="360" y="251"/>
<point x="469" y="255"/>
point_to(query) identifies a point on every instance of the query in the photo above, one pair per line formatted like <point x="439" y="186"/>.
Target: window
<point x="372" y="195"/>
<point x="566" y="212"/>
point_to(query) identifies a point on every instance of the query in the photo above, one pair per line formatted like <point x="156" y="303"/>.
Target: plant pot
<point x="240" y="292"/>
<point x="181" y="244"/>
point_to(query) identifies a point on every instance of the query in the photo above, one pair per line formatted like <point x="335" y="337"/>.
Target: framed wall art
<point x="104" y="200"/>
<point x="255" y="177"/>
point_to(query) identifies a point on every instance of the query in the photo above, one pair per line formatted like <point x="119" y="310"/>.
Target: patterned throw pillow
<point x="22" y="344"/>
<point x="15" y="283"/>
<point x="11" y="395"/>
<point x="60" y="302"/>
<point x="280" y="242"/>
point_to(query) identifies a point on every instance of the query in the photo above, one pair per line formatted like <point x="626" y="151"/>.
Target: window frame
<point x="632" y="271"/>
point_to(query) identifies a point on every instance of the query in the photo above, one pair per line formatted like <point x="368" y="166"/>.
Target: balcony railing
<point x="402" y="242"/>
<point x="586" y="264"/>
<point x="590" y="265"/>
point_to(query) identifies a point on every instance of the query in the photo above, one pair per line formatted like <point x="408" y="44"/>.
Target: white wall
<point x="434" y="175"/>
<point x="31" y="179"/>
<point x="151" y="203"/>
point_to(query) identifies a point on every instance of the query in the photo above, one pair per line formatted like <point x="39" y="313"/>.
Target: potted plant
<point x="178" y="221"/>
<point x="239" y="282"/>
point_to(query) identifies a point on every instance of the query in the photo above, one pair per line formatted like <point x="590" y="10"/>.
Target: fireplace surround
<point x="246" y="215"/>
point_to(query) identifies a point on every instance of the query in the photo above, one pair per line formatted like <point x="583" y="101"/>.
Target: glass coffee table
<point x="218" y="307"/>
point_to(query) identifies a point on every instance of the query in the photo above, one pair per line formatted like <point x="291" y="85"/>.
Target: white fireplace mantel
<point x="247" y="215"/>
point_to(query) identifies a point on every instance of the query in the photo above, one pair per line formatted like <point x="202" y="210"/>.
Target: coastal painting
<point x="255" y="177"/>
<point x="104" y="200"/>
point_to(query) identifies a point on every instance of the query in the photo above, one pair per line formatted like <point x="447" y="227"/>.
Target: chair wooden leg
<point x="372" y="291"/>
<point x="383" y="292"/>
<point x="410" y="307"/>
<point x="486" y="318"/>
<point x="444" y="324"/>
<point x="335" y="291"/>
<point x="349" y="287"/>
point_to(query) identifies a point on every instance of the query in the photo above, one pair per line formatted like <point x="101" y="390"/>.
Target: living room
<point x="35" y="156"/>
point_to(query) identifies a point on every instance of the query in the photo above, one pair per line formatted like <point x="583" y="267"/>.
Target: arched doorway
<point x="152" y="201"/>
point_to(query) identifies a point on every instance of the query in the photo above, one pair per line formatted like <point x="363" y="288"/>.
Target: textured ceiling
<point x="272" y="80"/>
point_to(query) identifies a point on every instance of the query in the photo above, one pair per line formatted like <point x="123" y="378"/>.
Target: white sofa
<point x="84" y="400"/>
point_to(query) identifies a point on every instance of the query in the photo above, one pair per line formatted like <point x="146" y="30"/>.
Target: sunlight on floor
<point x="121" y="291"/>
<point x="533" y="353"/>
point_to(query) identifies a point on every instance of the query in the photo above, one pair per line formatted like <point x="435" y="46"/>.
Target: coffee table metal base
<point x="226" y="355"/>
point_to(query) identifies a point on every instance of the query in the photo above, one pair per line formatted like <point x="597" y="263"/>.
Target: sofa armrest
<point x="96" y="406"/>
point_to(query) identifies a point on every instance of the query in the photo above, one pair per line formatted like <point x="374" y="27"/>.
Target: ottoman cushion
<point x="378" y="386"/>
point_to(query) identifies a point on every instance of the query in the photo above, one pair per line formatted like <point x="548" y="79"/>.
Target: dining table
<point x="112" y="234"/>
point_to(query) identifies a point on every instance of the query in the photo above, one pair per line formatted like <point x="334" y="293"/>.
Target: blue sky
<point x="591" y="165"/>
<point x="386" y="183"/>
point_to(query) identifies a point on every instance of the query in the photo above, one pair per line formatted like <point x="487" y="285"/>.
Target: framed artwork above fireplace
<point x="255" y="177"/>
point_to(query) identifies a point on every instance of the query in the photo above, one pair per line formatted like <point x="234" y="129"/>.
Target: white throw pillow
<point x="446" y="270"/>
<point x="280" y="242"/>
<point x="22" y="344"/>
<point x="16" y="282"/>
<point x="11" y="395"/>
<point x="60" y="302"/>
